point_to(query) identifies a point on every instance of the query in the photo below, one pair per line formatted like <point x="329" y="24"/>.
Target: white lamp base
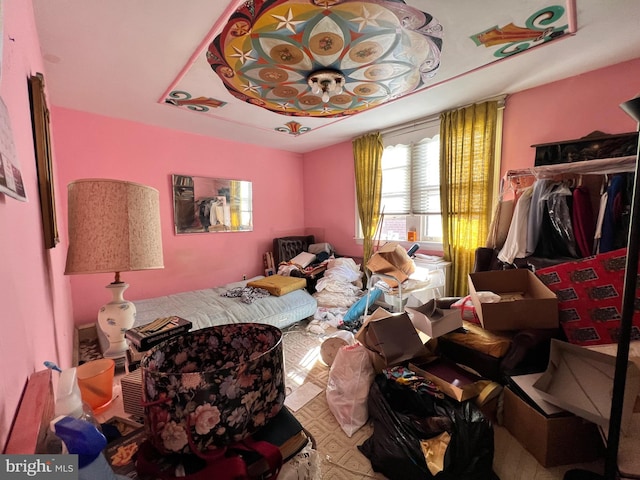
<point x="115" y="318"/>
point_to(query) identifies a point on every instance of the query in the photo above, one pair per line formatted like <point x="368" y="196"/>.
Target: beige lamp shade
<point x="114" y="226"/>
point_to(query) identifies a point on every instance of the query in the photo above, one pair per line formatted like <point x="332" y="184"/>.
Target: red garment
<point x="583" y="221"/>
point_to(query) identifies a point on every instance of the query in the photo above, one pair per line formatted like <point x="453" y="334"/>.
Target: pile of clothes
<point x="338" y="289"/>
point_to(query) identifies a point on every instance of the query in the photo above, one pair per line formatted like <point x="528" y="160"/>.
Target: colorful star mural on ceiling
<point x="268" y="49"/>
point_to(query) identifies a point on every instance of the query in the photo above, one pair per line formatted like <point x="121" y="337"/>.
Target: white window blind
<point x="396" y="180"/>
<point x="425" y="176"/>
<point x="411" y="178"/>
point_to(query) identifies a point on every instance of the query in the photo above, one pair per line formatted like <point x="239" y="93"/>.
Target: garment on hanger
<point x="501" y="221"/>
<point x="515" y="245"/>
<point x="597" y="235"/>
<point x="615" y="223"/>
<point x="556" y="236"/>
<point x="541" y="190"/>
<point x="582" y="219"/>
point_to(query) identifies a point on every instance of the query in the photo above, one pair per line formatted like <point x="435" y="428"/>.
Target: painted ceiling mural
<point x="268" y="49"/>
<point x="265" y="53"/>
<point x="543" y="26"/>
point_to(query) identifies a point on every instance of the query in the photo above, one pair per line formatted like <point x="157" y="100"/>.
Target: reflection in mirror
<point x="203" y="204"/>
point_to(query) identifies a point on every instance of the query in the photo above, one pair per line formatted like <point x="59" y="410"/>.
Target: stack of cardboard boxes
<point x="577" y="382"/>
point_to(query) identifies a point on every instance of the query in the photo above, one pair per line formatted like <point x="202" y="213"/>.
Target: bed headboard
<point x="285" y="248"/>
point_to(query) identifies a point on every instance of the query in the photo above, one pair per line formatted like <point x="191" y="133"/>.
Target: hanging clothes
<point x="582" y="219"/>
<point x="499" y="227"/>
<point x="501" y="220"/>
<point x="541" y="190"/>
<point x="556" y="236"/>
<point x="615" y="223"/>
<point x="598" y="231"/>
<point x="515" y="245"/>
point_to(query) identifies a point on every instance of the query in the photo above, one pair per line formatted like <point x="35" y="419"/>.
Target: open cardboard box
<point x="581" y="381"/>
<point x="432" y="321"/>
<point x="392" y="259"/>
<point x="390" y="339"/>
<point x="560" y="439"/>
<point x="453" y="380"/>
<point x="526" y="302"/>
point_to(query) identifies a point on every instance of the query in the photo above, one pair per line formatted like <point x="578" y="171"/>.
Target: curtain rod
<point x="410" y="125"/>
<point x="501" y="99"/>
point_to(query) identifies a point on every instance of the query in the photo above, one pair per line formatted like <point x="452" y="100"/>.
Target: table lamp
<point x="114" y="226"/>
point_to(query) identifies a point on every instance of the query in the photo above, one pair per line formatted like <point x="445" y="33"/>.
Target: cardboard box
<point x="581" y="381"/>
<point x="558" y="440"/>
<point x="392" y="259"/>
<point x="525" y="301"/>
<point x="434" y="321"/>
<point x="390" y="339"/>
<point x="452" y="379"/>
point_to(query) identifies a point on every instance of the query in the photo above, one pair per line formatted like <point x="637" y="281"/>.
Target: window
<point x="411" y="190"/>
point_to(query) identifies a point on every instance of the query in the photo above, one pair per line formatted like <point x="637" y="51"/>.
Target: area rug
<point x="589" y="295"/>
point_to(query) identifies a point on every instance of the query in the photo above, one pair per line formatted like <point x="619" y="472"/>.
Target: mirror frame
<point x="211" y="205"/>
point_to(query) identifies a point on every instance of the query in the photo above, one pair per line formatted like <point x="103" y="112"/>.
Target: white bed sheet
<point x="208" y="308"/>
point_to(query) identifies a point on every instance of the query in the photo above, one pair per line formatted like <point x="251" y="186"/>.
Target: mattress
<point x="208" y="308"/>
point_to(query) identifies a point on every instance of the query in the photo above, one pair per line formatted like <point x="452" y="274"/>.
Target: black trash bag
<point x="402" y="417"/>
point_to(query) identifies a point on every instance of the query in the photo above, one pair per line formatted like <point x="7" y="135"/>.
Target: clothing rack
<point x="603" y="166"/>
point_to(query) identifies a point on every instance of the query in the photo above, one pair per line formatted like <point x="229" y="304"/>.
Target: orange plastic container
<point x="95" y="379"/>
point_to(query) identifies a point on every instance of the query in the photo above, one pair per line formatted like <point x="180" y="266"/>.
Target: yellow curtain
<point x="367" y="156"/>
<point x="467" y="156"/>
<point x="235" y="204"/>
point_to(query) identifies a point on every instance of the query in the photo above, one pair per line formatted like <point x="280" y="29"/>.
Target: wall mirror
<point x="203" y="204"/>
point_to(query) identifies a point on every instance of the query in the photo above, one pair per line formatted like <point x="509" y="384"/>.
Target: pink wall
<point x="568" y="109"/>
<point x="94" y="146"/>
<point x="330" y="208"/>
<point x="36" y="320"/>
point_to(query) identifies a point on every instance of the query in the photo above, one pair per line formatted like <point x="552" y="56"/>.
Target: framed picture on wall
<point x="42" y="143"/>
<point x="11" y="182"/>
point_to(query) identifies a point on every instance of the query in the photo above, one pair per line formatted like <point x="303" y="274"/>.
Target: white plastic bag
<point x="350" y="378"/>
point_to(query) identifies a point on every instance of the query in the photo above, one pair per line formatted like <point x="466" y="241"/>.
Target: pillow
<point x="319" y="248"/>
<point x="279" y="285"/>
<point x="303" y="259"/>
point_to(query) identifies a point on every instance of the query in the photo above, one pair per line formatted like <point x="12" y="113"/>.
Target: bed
<point x="207" y="308"/>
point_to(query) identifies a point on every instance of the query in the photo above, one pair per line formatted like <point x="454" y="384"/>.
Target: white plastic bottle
<point x="69" y="399"/>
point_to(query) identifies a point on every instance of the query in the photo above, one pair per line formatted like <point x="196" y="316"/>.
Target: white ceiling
<point x="119" y="58"/>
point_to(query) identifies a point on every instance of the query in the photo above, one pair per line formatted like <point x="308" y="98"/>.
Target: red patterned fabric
<point x="590" y="297"/>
